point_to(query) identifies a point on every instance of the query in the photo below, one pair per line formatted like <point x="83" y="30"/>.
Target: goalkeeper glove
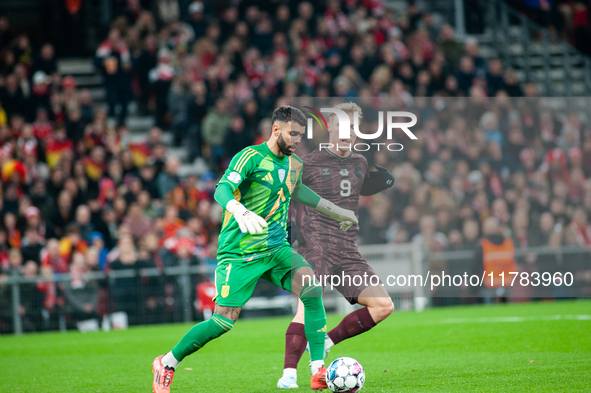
<point x="383" y="175"/>
<point x="346" y="217"/>
<point x="377" y="181"/>
<point x="247" y="221"/>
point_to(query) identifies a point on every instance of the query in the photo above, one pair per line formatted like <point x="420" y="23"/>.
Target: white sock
<point x="290" y="373"/>
<point x="315" y="365"/>
<point x="169" y="360"/>
<point x="328" y="343"/>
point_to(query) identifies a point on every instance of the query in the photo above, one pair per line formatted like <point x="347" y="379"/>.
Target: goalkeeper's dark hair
<point x="288" y="113"/>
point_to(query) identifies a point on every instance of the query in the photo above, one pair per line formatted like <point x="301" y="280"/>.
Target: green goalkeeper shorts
<point x="235" y="280"/>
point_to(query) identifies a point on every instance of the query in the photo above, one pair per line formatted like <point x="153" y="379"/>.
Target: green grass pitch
<point x="540" y="347"/>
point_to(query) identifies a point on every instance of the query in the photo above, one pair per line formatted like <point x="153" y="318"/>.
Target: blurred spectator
<point x="45" y="62"/>
<point x="114" y="60"/>
<point x="51" y="257"/>
<point x="97" y="242"/>
<point x="545" y="228"/>
<point x="12" y="97"/>
<point x="197" y="108"/>
<point x="137" y="222"/>
<point x="81" y="293"/>
<point x="14" y="235"/>
<point x="495" y="255"/>
<point x="160" y="78"/>
<point x="237" y="137"/>
<point x="92" y="259"/>
<point x="30" y="305"/>
<point x="428" y="237"/>
<point x="125" y="291"/>
<point x="512" y="84"/>
<point x="471" y="234"/>
<point x="465" y="74"/>
<point x="32" y="246"/>
<point x="83" y="221"/>
<point x="581" y="228"/>
<point x="47" y="290"/>
<point x="72" y="242"/>
<point x="169" y="178"/>
<point x="452" y="49"/>
<point x="215" y="126"/>
<point x="494" y="77"/>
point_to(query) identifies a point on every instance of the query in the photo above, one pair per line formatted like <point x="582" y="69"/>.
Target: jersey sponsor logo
<point x="344" y="172"/>
<point x="234" y="177"/>
<point x="358" y="172"/>
<point x="281" y="173"/>
<point x="268" y="178"/>
<point x="225" y="290"/>
<point x="325" y="173"/>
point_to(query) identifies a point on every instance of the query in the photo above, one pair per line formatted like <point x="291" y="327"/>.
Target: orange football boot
<point x="162" y="376"/>
<point x="318" y="381"/>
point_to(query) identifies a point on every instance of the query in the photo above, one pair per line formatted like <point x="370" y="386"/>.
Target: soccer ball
<point x="345" y="375"/>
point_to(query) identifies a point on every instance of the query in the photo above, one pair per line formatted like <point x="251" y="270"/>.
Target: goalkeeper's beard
<point x="283" y="147"/>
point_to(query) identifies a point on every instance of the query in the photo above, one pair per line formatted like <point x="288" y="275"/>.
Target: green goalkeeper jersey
<point x="263" y="182"/>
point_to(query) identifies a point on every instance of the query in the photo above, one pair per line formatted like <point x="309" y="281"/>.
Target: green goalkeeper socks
<point x="315" y="316"/>
<point x="201" y="334"/>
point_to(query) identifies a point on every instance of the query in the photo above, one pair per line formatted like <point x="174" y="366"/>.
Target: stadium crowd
<point x="569" y="20"/>
<point x="77" y="195"/>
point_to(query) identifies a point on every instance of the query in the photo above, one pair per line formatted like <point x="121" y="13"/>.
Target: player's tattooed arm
<point x="231" y="313"/>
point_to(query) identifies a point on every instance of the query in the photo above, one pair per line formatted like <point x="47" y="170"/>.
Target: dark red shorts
<point x="350" y="265"/>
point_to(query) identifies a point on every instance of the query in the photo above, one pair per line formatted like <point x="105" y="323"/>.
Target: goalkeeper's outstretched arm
<point x="223" y="194"/>
<point x="377" y="181"/>
<point x="247" y="221"/>
<point x="307" y="197"/>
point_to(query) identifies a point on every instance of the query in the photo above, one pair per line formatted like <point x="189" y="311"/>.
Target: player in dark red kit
<point x="340" y="176"/>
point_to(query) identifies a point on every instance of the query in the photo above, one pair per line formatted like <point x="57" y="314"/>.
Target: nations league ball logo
<point x="344" y="122"/>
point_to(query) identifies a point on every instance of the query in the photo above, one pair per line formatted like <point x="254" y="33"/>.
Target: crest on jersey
<point x="281" y="173"/>
<point x="225" y="290"/>
<point x="291" y="179"/>
<point x="344" y="172"/>
<point x="358" y="172"/>
<point x="325" y="173"/>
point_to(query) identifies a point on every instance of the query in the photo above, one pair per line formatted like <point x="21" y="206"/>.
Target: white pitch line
<point x="515" y="319"/>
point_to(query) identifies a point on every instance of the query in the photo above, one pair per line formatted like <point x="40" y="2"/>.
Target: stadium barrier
<point x="48" y="302"/>
<point x="542" y="273"/>
<point x="129" y="290"/>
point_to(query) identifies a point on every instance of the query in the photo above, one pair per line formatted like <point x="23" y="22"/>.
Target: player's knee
<point x="311" y="295"/>
<point x="299" y="317"/>
<point x="303" y="276"/>
<point x="382" y="308"/>
<point x="388" y="307"/>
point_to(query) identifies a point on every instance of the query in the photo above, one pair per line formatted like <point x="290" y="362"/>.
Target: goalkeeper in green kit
<point x="255" y="192"/>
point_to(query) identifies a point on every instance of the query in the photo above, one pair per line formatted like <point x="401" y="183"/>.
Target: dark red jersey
<point x="338" y="180"/>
